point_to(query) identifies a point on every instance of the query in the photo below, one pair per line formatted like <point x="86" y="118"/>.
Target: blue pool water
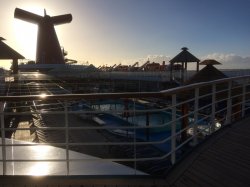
<point x="157" y="121"/>
<point x="152" y="134"/>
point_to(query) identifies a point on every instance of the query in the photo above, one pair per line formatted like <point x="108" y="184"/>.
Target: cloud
<point x="151" y="58"/>
<point x="158" y="58"/>
<point x="229" y="61"/>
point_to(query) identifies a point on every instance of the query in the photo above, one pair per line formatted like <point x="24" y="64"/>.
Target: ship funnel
<point x="48" y="48"/>
<point x="27" y="16"/>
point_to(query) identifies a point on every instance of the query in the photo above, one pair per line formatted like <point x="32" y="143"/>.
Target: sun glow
<point x="40" y="168"/>
<point x="41" y="150"/>
<point x="43" y="95"/>
<point x="26" y="37"/>
<point x="26" y="34"/>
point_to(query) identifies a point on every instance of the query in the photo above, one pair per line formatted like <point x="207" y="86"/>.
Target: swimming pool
<point x="157" y="123"/>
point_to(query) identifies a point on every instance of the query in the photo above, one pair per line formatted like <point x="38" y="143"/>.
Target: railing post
<point x="173" y="130"/>
<point x="67" y="134"/>
<point x="196" y="108"/>
<point x="135" y="156"/>
<point x="3" y="141"/>
<point x="213" y="108"/>
<point x="243" y="100"/>
<point x="229" y="104"/>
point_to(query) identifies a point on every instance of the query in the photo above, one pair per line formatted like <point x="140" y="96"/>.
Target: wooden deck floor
<point x="223" y="160"/>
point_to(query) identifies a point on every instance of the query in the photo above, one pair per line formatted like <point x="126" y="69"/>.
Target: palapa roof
<point x="184" y="56"/>
<point x="208" y="73"/>
<point x="210" y="62"/>
<point x="7" y="52"/>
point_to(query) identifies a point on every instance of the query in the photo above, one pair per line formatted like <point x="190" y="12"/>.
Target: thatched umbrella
<point x="183" y="57"/>
<point x="208" y="73"/>
<point x="210" y="62"/>
<point x="7" y="52"/>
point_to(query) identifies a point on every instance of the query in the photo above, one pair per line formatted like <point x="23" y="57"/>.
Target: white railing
<point x="148" y="132"/>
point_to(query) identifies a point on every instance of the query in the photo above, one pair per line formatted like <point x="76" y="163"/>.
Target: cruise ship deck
<point x="123" y="125"/>
<point x="212" y="149"/>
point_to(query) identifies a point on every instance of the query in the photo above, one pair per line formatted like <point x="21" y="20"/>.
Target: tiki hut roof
<point x="7" y="52"/>
<point x="208" y="73"/>
<point x="184" y="56"/>
<point x="210" y="62"/>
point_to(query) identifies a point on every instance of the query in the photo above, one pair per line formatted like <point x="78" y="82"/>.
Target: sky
<point x="107" y="32"/>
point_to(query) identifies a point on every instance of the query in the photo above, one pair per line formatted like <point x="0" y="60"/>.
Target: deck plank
<point x="211" y="171"/>
<point x="199" y="178"/>
<point x="223" y="160"/>
<point x="232" y="170"/>
<point x="200" y="173"/>
<point x="215" y="172"/>
<point x="185" y="180"/>
<point x="235" y="160"/>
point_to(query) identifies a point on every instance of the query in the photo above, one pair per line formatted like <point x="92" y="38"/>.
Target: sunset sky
<point x="125" y="31"/>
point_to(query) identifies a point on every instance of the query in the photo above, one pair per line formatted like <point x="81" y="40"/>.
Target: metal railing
<point x="148" y="132"/>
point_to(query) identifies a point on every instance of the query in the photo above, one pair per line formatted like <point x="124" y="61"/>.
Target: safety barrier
<point x="148" y="132"/>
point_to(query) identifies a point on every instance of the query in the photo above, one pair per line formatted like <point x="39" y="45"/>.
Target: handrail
<point x="163" y="93"/>
<point x="184" y="113"/>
